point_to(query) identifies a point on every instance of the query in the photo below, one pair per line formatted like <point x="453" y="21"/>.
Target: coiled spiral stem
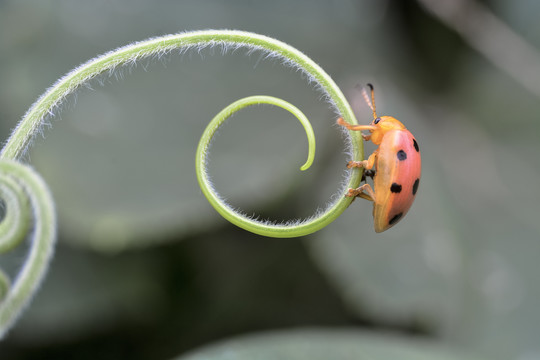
<point x="29" y="207"/>
<point x="28" y="201"/>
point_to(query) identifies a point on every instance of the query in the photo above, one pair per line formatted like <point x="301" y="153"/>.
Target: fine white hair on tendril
<point x="112" y="68"/>
<point x="115" y="63"/>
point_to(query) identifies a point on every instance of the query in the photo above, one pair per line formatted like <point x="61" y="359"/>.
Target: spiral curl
<point x="28" y="200"/>
<point x="29" y="208"/>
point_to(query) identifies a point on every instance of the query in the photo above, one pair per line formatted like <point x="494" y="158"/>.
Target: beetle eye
<point x="376" y="121"/>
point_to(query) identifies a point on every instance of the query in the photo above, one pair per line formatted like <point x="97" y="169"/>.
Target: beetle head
<point x="383" y="124"/>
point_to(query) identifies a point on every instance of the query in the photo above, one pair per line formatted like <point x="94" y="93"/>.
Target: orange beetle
<point x="397" y="164"/>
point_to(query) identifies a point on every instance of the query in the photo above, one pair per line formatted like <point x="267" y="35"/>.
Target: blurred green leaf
<point x="324" y="344"/>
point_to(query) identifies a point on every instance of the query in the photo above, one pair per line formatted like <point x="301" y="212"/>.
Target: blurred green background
<point x="146" y="269"/>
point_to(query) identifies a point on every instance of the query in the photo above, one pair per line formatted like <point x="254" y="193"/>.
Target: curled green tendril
<point x="16" y="222"/>
<point x="202" y="150"/>
<point x="238" y="105"/>
<point x="26" y="198"/>
<point x="46" y="104"/>
<point x="221" y="206"/>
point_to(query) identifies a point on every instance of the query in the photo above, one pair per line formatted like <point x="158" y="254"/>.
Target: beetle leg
<point x="366" y="164"/>
<point x="342" y="122"/>
<point x="356" y="164"/>
<point x="365" y="192"/>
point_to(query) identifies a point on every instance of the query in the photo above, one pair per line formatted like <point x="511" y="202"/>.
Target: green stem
<point x="22" y="189"/>
<point x="46" y="104"/>
<point x="222" y="207"/>
<point x="26" y="190"/>
<point x="219" y="119"/>
<point x="202" y="151"/>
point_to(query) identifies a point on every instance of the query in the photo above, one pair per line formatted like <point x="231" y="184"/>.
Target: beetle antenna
<point x="366" y="99"/>
<point x="371" y="103"/>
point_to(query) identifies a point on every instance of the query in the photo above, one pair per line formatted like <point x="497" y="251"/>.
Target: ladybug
<point x="397" y="166"/>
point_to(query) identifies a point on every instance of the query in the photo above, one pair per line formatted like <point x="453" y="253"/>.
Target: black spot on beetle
<point x="395" y="219"/>
<point x="415" y="145"/>
<point x="415" y="186"/>
<point x="401" y="155"/>
<point x="395" y="188"/>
